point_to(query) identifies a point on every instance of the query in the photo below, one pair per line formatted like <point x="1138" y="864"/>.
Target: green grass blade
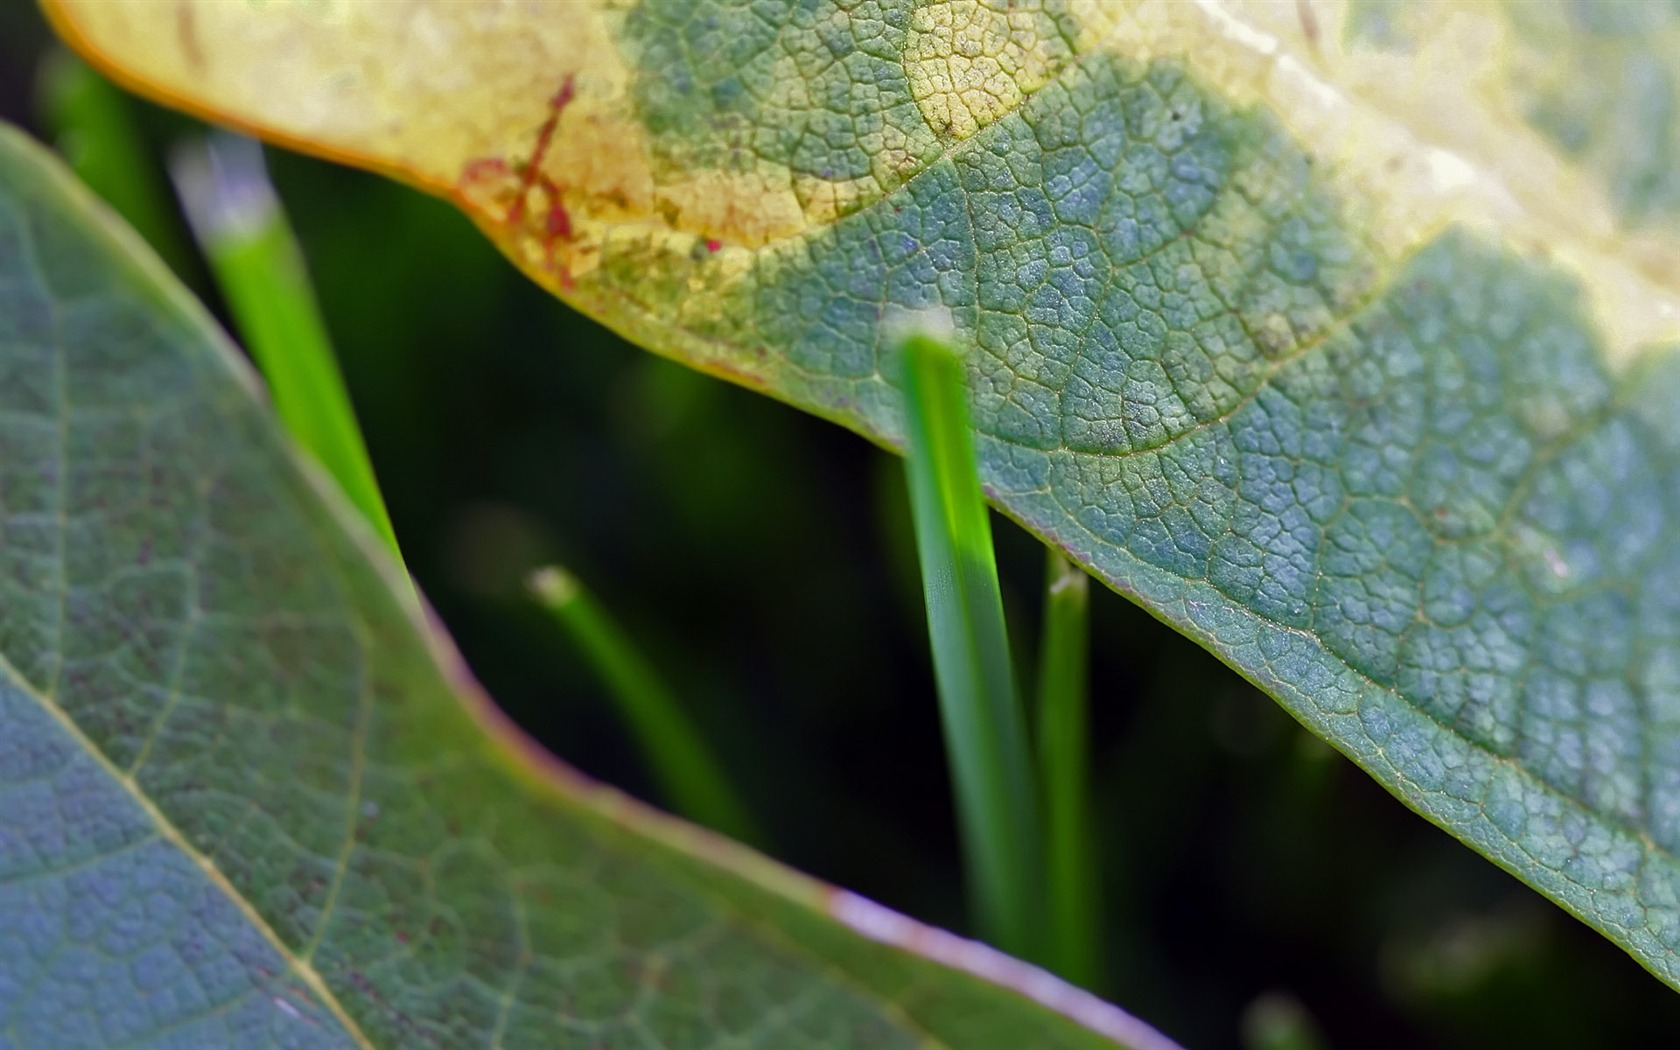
<point x="92" y="121"/>
<point x="985" y="729"/>
<point x="255" y="258"/>
<point x="690" y="776"/>
<point x="1064" y="766"/>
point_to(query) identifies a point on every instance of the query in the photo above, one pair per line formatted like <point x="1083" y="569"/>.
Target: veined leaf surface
<point x="1340" y="336"/>
<point x="247" y="800"/>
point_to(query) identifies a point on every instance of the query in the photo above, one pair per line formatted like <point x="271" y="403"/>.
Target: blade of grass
<point x="985" y="729"/>
<point x="93" y="127"/>
<point x="691" y="778"/>
<point x="1064" y="766"/>
<point x="234" y="213"/>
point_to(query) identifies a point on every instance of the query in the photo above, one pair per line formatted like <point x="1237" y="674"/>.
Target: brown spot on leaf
<point x="186" y="31"/>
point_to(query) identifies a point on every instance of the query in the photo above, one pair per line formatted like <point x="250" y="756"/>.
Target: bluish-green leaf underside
<point x="93" y="898"/>
<point x="1410" y="500"/>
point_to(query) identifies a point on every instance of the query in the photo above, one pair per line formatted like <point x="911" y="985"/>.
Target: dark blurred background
<point x="1261" y="891"/>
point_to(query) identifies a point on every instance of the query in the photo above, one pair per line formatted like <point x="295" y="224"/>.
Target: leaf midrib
<point x="167" y="831"/>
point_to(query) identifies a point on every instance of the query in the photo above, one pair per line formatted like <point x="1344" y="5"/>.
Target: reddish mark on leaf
<point x="713" y="244"/>
<point x="484" y="168"/>
<point x="559" y="222"/>
<point x="545" y="135"/>
<point x="556" y="223"/>
<point x="557" y="227"/>
<point x="495" y="179"/>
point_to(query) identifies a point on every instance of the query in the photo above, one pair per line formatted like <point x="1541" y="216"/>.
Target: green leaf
<point x="247" y="799"/>
<point x="1339" y="336"/>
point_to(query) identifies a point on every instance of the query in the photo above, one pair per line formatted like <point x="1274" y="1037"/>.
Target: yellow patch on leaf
<point x="526" y="122"/>
<point x="970" y="63"/>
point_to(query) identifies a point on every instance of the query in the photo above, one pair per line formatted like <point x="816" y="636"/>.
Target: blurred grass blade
<point x="985" y="730"/>
<point x="1277" y="1021"/>
<point x="237" y="219"/>
<point x="692" y="779"/>
<point x="92" y="121"/>
<point x="1064" y="766"/>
